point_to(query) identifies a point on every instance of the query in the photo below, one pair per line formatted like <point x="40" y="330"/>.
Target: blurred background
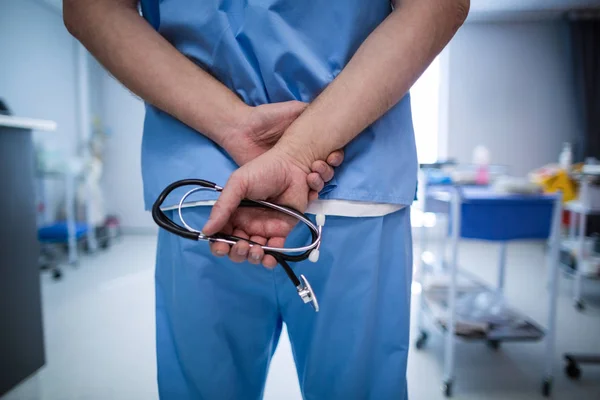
<point x="506" y="299"/>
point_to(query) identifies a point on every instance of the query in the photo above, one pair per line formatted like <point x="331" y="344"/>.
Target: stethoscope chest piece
<point x="306" y="293"/>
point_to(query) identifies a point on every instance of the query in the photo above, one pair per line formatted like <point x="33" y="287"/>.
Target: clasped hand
<point x="266" y="173"/>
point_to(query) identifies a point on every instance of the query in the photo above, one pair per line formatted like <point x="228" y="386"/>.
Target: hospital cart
<point x="582" y="207"/>
<point x="69" y="231"/>
<point x="585" y="262"/>
<point x="479" y="213"/>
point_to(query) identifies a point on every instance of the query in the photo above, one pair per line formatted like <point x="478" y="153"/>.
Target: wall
<point x="510" y="89"/>
<point x="37" y="73"/>
<point x="123" y="115"/>
<point x="38" y="67"/>
<point x="38" y="79"/>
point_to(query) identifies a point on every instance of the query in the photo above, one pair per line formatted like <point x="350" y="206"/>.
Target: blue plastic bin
<point x="486" y="215"/>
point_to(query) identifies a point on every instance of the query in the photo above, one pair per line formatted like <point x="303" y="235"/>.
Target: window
<point x="425" y="100"/>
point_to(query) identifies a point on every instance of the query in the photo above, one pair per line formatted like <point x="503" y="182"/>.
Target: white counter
<point x="27" y="123"/>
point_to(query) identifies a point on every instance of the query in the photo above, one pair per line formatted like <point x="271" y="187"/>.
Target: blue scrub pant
<point x="218" y="323"/>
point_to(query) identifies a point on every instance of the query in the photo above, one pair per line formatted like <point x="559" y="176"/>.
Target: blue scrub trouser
<point x="218" y="323"/>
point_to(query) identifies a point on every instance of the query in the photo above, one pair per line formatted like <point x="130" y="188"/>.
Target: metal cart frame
<point x="70" y="181"/>
<point x="455" y="202"/>
<point x="577" y="235"/>
<point x="577" y="229"/>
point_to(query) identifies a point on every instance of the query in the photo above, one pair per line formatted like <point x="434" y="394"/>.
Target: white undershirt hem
<point x="341" y="208"/>
<point x="348" y="208"/>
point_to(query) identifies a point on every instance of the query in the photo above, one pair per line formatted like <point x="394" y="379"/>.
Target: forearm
<point x="376" y="78"/>
<point x="149" y="66"/>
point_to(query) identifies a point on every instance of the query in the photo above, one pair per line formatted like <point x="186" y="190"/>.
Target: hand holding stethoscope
<point x="265" y="178"/>
<point x="272" y="179"/>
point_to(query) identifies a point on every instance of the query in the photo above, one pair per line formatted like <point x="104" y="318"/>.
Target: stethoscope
<point x="282" y="255"/>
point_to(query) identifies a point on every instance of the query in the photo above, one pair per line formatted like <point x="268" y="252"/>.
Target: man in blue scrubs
<point x="227" y="83"/>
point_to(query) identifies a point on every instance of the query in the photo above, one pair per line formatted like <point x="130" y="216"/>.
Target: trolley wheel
<point x="547" y="387"/>
<point x="56" y="274"/>
<point x="494" y="344"/>
<point x="447" y="388"/>
<point x="573" y="371"/>
<point x="85" y="247"/>
<point x="579" y="305"/>
<point x="104" y="243"/>
<point x="422" y="340"/>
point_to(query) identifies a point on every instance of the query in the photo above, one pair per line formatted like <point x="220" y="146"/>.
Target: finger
<point x="336" y="158"/>
<point x="239" y="251"/>
<point x="270" y="261"/>
<point x="312" y="195"/>
<point x="323" y="169"/>
<point x="230" y="198"/>
<point x="219" y="249"/>
<point x="256" y="253"/>
<point x="315" y="182"/>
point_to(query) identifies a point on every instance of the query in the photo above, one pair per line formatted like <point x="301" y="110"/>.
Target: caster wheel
<point x="547" y="388"/>
<point x="447" y="389"/>
<point x="56" y="274"/>
<point x="85" y="248"/>
<point x="579" y="305"/>
<point x="494" y="344"/>
<point x="422" y="340"/>
<point x="573" y="371"/>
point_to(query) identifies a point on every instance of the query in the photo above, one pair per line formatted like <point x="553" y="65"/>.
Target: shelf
<point x="577" y="207"/>
<point x="519" y="328"/>
<point x="435" y="295"/>
<point x="573" y="247"/>
<point x="27" y="123"/>
<point x="570" y="272"/>
<point x="569" y="259"/>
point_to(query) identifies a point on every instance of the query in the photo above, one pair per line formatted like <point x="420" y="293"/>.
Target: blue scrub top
<point x="270" y="51"/>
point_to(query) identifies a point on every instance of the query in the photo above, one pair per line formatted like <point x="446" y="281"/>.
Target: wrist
<point x="233" y="137"/>
<point x="296" y="151"/>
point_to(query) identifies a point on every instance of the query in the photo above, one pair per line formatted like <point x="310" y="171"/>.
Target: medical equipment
<point x="580" y="210"/>
<point x="482" y="313"/>
<point x="282" y="255"/>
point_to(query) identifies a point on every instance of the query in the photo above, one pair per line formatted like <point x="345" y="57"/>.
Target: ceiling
<point x="494" y="9"/>
<point x="526" y="9"/>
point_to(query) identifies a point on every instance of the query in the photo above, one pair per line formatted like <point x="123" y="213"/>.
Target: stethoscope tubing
<point x="282" y="255"/>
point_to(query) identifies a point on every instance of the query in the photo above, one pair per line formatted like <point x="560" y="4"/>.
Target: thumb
<point x="231" y="196"/>
<point x="297" y="107"/>
<point x="287" y="110"/>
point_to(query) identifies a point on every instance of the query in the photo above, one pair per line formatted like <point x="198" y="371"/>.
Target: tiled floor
<point x="99" y="328"/>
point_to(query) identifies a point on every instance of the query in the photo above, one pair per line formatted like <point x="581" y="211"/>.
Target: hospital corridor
<point x="251" y="200"/>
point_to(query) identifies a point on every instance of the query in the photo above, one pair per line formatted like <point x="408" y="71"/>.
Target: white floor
<point x="99" y="328"/>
